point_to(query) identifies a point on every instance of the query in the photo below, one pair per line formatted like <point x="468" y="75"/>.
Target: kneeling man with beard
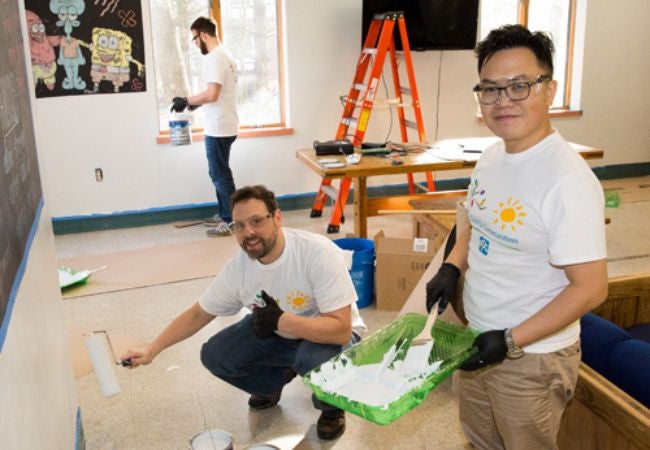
<point x="303" y="305"/>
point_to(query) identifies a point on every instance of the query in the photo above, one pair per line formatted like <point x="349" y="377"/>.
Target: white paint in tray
<point x="377" y="384"/>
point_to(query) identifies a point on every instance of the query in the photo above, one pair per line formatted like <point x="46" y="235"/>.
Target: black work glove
<point x="492" y="349"/>
<point x="178" y="104"/>
<point x="442" y="286"/>
<point x="265" y="319"/>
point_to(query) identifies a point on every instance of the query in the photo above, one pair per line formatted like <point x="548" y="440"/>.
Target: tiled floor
<point x="163" y="405"/>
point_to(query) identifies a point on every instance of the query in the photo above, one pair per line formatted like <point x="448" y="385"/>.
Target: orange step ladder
<point x="379" y="43"/>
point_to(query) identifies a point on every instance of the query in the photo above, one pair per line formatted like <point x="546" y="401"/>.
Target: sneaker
<point x="213" y="221"/>
<point x="260" y="401"/>
<point x="219" y="231"/>
<point x="263" y="401"/>
<point x="331" y="424"/>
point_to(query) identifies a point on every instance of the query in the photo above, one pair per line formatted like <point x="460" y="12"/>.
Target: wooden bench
<point x="601" y="416"/>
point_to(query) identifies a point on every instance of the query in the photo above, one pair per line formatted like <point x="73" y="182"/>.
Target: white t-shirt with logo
<point x="531" y="213"/>
<point x="308" y="279"/>
<point x="220" y="117"/>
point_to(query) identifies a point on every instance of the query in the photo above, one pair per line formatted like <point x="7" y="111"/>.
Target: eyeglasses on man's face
<point x="489" y="94"/>
<point x="255" y="222"/>
<point x="195" y="37"/>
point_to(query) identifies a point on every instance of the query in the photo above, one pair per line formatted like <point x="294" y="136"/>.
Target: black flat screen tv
<point x="430" y="24"/>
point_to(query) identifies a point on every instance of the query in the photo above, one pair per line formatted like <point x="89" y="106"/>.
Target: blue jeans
<point x="257" y="365"/>
<point x="217" y="150"/>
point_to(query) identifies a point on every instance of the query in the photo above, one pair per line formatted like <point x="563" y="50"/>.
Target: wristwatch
<point x="514" y="352"/>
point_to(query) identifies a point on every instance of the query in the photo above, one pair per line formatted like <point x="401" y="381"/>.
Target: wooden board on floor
<point x="631" y="190"/>
<point x="151" y="266"/>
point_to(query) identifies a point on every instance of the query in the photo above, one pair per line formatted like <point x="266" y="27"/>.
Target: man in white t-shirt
<point x="533" y="253"/>
<point x="221" y="122"/>
<point x="303" y="306"/>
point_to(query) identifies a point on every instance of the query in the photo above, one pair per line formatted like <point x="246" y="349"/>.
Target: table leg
<point x="360" y="207"/>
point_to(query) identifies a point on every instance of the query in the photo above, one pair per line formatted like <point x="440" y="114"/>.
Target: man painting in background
<point x="303" y="307"/>
<point x="221" y="122"/>
<point x="533" y="253"/>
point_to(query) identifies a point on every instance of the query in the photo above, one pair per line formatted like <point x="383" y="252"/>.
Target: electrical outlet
<point x="99" y="174"/>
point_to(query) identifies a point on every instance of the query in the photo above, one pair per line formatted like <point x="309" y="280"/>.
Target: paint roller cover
<point x="104" y="370"/>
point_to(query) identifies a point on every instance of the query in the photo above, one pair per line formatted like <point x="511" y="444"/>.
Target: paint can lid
<point x="211" y="440"/>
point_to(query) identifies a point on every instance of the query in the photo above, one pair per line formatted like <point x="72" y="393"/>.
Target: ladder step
<point x="331" y="191"/>
<point x="421" y="188"/>
<point x="349" y="121"/>
<point x="369" y="51"/>
<point x="389" y="103"/>
<point x="410" y="124"/>
<point x="361" y="87"/>
<point x="405" y="90"/>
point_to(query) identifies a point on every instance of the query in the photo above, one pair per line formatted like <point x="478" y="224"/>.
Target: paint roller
<point x="102" y="364"/>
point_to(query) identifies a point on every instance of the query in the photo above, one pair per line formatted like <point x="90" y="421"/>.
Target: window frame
<point x="269" y="129"/>
<point x="523" y="9"/>
<point x="566" y="109"/>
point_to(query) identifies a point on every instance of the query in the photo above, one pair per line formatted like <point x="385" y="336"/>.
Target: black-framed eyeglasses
<point x="195" y="37"/>
<point x="255" y="222"/>
<point x="488" y="94"/>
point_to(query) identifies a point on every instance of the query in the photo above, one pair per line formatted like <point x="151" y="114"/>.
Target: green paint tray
<point x="334" y="381"/>
<point x="70" y="277"/>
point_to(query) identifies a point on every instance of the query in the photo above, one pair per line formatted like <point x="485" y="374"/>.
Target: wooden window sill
<point x="197" y="135"/>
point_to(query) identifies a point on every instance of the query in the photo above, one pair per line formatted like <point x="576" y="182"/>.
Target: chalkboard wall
<point x="20" y="186"/>
<point x="100" y="51"/>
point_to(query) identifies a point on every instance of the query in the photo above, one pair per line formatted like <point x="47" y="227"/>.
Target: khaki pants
<point x="518" y="404"/>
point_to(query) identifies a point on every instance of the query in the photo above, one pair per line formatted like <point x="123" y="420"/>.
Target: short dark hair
<point x="513" y="36"/>
<point x="204" y="25"/>
<point x="257" y="192"/>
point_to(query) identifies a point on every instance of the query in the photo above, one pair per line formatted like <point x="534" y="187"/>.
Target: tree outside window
<point x="249" y="30"/>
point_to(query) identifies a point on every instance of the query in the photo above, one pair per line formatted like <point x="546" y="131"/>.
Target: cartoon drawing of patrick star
<point x="41" y="47"/>
<point x="70" y="56"/>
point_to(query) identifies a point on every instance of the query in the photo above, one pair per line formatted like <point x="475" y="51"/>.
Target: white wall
<point x="118" y="132"/>
<point x="38" y="403"/>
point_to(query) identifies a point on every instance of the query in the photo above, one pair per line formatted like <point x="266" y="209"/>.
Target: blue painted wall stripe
<point x="19" y="274"/>
<point x="80" y="440"/>
<point x="289" y="202"/>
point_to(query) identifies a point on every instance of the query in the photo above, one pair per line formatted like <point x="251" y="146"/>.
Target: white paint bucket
<point x="180" y="129"/>
<point x="212" y="440"/>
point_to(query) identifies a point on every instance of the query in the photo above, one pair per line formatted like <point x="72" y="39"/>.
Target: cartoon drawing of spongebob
<point x="111" y="55"/>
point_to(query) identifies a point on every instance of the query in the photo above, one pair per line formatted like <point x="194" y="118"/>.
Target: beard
<point x="203" y="47"/>
<point x="262" y="247"/>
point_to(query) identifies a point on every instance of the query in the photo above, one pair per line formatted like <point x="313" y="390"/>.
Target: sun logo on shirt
<point x="509" y="214"/>
<point x="297" y="300"/>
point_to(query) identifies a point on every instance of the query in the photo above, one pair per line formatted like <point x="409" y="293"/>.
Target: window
<point x="556" y="17"/>
<point x="249" y="29"/>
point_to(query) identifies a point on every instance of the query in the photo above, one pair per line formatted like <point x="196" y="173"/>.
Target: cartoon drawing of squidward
<point x="70" y="56"/>
<point x="111" y="55"/>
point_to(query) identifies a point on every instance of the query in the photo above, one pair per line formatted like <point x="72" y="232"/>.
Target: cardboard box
<point x="433" y="227"/>
<point x="400" y="264"/>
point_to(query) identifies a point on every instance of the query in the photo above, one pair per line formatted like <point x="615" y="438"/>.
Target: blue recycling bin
<point x="363" y="267"/>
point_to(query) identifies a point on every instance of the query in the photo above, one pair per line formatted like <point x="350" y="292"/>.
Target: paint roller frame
<point x="118" y="362"/>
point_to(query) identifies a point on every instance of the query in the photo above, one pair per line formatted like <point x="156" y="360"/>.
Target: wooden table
<point x="412" y="162"/>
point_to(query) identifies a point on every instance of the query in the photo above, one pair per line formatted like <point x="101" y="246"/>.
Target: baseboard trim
<point x="157" y="216"/>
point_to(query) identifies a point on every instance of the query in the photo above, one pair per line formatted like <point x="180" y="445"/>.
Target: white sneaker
<point x="219" y="231"/>
<point x="213" y="221"/>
